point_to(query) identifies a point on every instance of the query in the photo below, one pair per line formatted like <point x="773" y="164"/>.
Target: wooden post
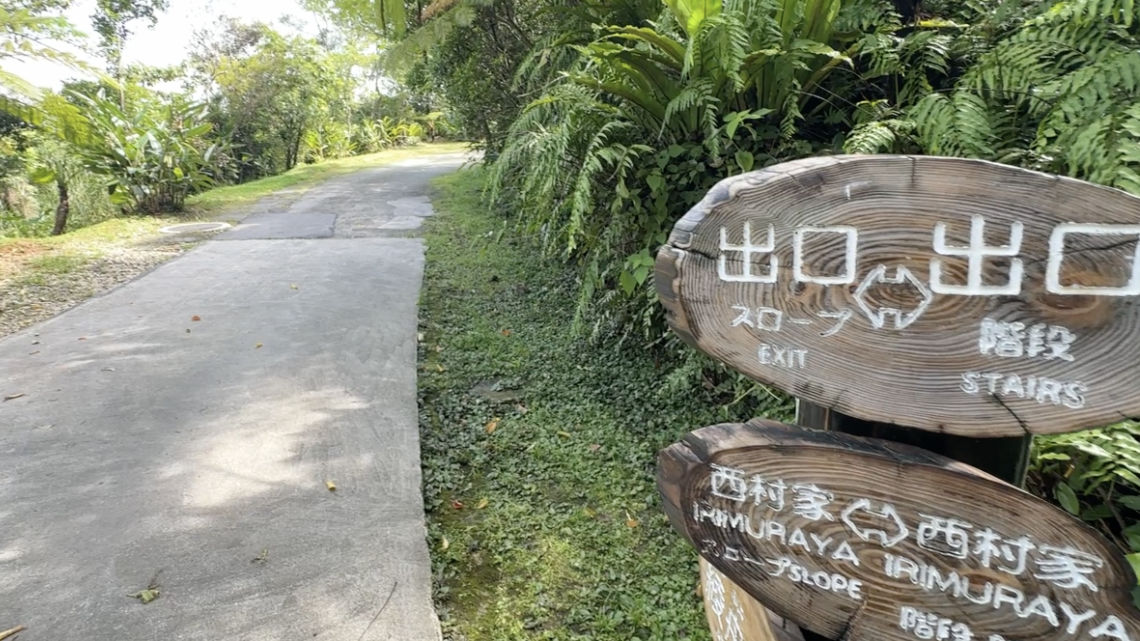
<point x="952" y="305"/>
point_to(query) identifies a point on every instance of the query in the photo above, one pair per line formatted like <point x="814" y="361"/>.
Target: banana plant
<point x="155" y="156"/>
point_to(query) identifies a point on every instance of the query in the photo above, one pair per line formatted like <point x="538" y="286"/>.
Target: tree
<point x="268" y="91"/>
<point x="28" y="34"/>
<point x="111" y="21"/>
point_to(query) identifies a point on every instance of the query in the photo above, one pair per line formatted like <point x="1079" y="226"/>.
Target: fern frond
<point x="877" y="136"/>
<point x="958" y="125"/>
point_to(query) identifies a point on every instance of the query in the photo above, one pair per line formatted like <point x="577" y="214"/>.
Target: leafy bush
<point x="154" y="156"/>
<point x="1094" y="475"/>
<point x="1049" y="86"/>
<point x="652" y="116"/>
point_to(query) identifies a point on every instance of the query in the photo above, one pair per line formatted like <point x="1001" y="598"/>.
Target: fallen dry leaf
<point x="506" y="332"/>
<point x="492" y="425"/>
<point x="444" y="544"/>
<point x="293" y="286"/>
<point x="12" y="397"/>
<point x="146" y="596"/>
<point x="564" y="434"/>
<point x="630" y="521"/>
<point x="261" y="558"/>
<point x="481" y="504"/>
<point x="594" y="447"/>
<point x="195" y="318"/>
<point x="457" y="504"/>
<point x="258" y="346"/>
<point x="440" y="368"/>
<point x="331" y="485"/>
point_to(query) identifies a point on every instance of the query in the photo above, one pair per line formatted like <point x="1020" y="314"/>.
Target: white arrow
<point x="878" y="317"/>
<point x="868" y="534"/>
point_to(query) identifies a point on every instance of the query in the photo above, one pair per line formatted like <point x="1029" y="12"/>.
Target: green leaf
<point x="627" y="282"/>
<point x="745" y="160"/>
<point x="1129" y="476"/>
<point x="691" y="13"/>
<point x="1067" y="498"/>
<point x="1134" y="561"/>
<point x="1096" y="513"/>
<point x="1131" y="501"/>
<point x="42" y="175"/>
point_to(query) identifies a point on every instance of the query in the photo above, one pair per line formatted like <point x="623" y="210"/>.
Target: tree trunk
<point x="62" y="210"/>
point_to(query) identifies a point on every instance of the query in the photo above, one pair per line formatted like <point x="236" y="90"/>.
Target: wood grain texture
<point x="733" y="614"/>
<point x="1062" y="357"/>
<point x="932" y="592"/>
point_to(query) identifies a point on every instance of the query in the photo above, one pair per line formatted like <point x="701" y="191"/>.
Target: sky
<point x="167" y="42"/>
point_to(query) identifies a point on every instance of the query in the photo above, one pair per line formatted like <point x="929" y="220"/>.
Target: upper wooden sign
<point x="866" y="540"/>
<point x="945" y="294"/>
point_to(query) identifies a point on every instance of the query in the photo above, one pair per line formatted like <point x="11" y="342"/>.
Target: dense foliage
<point x="603" y="131"/>
<point x="539" y="449"/>
<point x="253" y="102"/>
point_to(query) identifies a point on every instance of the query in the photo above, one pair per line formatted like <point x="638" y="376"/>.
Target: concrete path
<point x="181" y="431"/>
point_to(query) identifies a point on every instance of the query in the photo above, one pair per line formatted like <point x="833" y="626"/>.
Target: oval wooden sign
<point x="960" y="295"/>
<point x="867" y="540"/>
<point x="733" y="614"/>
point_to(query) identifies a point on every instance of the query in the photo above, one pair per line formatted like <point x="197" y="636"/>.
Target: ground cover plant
<point x="539" y="448"/>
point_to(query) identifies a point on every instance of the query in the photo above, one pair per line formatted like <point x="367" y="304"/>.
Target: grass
<point x="304" y="176"/>
<point x="32" y="260"/>
<point x="544" y="520"/>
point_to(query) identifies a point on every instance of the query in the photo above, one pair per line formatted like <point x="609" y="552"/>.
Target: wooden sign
<point x="733" y="614"/>
<point x="866" y="540"/>
<point x="986" y="300"/>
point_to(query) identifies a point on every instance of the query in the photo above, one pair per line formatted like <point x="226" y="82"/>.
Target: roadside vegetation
<point x="248" y="102"/>
<point x="41" y="276"/>
<point x="539" y="448"/>
<point x="604" y="123"/>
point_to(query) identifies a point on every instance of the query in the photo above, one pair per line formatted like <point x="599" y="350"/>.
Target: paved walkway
<point x="181" y="431"/>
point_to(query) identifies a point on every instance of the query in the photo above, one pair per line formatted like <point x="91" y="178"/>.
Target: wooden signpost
<point x="904" y="545"/>
<point x="887" y="293"/>
<point x="943" y="294"/>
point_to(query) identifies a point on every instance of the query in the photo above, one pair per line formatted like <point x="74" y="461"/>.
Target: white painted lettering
<point x="843" y="552"/>
<point x="1110" y="627"/>
<point x="970" y="382"/>
<point x="786" y="357"/>
<point x="1074" y="395"/>
<point x="820" y="544"/>
<point x="850" y="255"/>
<point x="797" y="538"/>
<point x="1057" y="257"/>
<point x="1074" y="618"/>
<point x="747" y="249"/>
<point x="1042" y="607"/>
<point x="977" y="253"/>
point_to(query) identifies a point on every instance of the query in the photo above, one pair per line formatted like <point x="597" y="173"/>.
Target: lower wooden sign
<point x="867" y="540"/>
<point x="734" y="615"/>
